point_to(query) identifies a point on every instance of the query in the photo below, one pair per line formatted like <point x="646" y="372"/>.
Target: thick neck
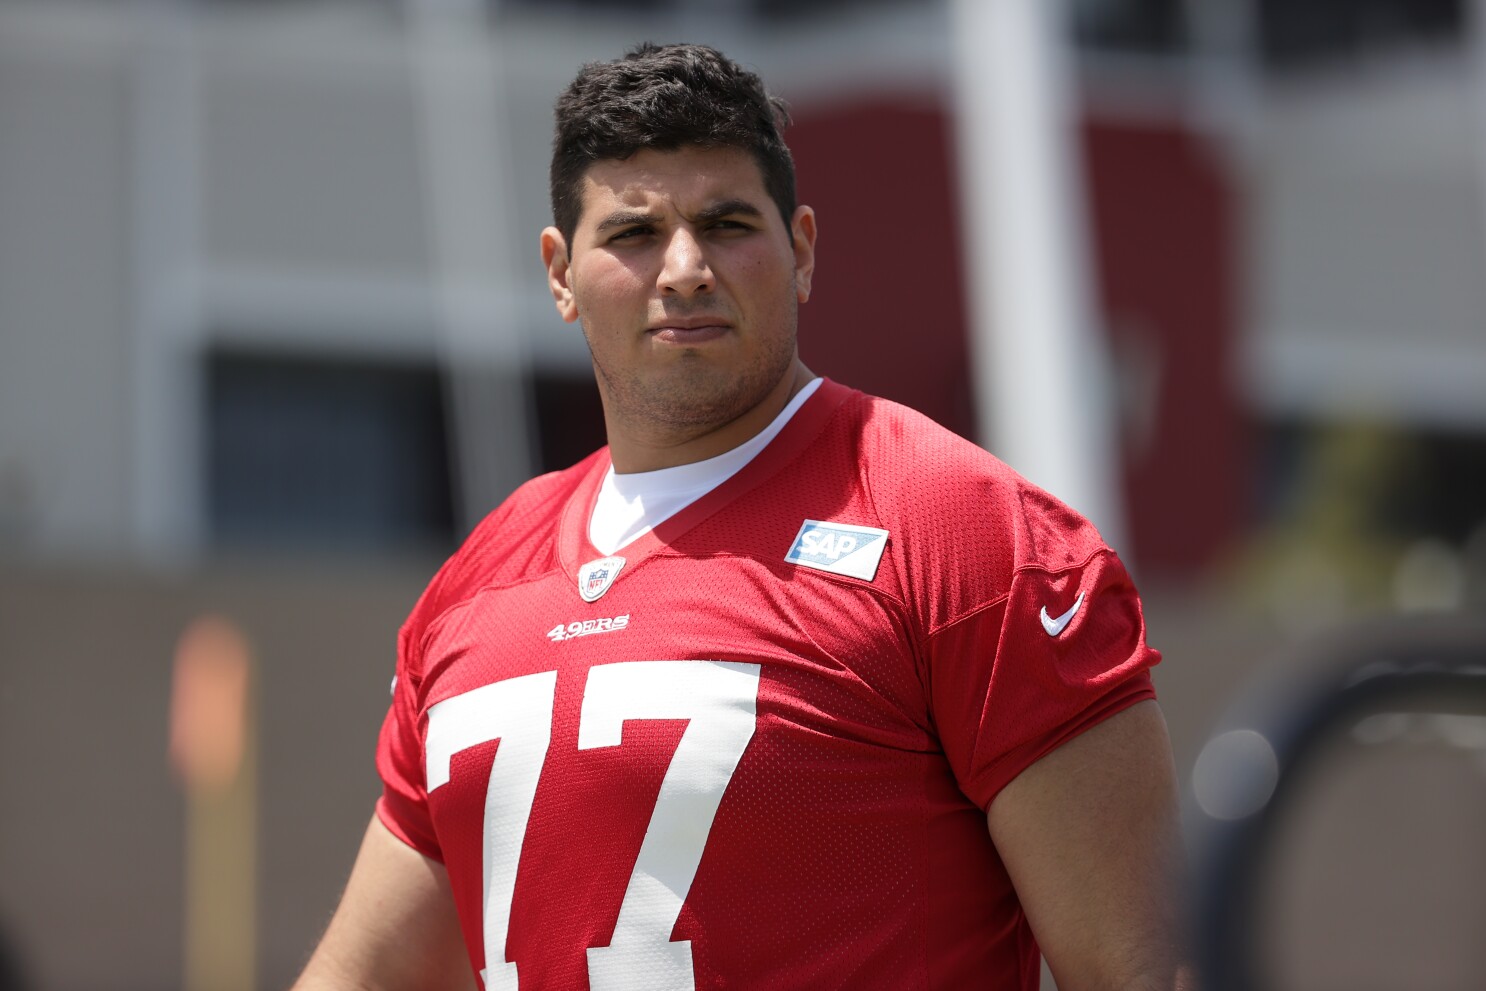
<point x="635" y="447"/>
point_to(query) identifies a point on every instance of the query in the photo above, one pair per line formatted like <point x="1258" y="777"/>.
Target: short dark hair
<point x="666" y="97"/>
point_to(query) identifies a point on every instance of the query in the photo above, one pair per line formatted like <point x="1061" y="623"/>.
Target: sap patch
<point x="838" y="548"/>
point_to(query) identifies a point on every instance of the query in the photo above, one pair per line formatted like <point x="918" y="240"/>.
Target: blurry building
<point x="265" y="281"/>
<point x="269" y="289"/>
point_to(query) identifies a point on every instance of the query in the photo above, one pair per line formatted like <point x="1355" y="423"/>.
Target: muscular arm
<point x="1089" y="836"/>
<point x="395" y="927"/>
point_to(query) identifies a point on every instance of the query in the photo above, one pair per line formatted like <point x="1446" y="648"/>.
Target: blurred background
<point x="274" y="333"/>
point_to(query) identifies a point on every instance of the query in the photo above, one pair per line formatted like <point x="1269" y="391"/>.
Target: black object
<point x="1254" y="766"/>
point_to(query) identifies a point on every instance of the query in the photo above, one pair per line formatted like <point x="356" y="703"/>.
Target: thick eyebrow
<point x="708" y="214"/>
<point x="726" y="208"/>
<point x="626" y="218"/>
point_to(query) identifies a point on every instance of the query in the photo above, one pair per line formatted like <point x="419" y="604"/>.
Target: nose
<point x="685" y="270"/>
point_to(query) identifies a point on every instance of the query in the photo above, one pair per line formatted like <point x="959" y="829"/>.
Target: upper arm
<point x="395" y="927"/>
<point x="1089" y="836"/>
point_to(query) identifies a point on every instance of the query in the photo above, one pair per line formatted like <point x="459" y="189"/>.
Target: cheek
<point x="775" y="282"/>
<point x="777" y="265"/>
<point x="606" y="276"/>
<point x="610" y="298"/>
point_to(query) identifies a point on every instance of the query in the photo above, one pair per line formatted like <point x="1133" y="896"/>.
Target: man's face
<point x="686" y="281"/>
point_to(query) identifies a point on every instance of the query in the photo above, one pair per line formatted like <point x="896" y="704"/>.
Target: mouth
<point x="689" y="330"/>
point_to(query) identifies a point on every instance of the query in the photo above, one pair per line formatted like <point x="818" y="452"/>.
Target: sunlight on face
<point x="686" y="282"/>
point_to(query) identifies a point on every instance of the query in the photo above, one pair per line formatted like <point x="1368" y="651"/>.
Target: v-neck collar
<point x="574" y="549"/>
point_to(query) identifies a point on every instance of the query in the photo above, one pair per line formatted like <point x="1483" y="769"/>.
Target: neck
<point x="635" y="449"/>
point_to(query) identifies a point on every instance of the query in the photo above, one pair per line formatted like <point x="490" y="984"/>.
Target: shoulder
<point x="536" y="504"/>
<point x="514" y="540"/>
<point x="964" y="521"/>
<point x="923" y="473"/>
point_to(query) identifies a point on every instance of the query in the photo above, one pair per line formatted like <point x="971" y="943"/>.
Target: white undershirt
<point x="628" y="506"/>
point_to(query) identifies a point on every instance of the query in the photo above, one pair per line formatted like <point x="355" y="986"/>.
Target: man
<point x="787" y="687"/>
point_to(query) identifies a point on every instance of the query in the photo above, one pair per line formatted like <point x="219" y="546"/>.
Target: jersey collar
<point x="573" y="547"/>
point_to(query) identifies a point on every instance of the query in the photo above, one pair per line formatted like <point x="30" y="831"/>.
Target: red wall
<point x="1165" y="224"/>
<point x="888" y="314"/>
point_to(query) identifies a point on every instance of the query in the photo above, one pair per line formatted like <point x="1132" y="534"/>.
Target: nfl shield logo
<point x="595" y="577"/>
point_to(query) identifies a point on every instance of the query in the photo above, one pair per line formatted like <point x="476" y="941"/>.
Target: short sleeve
<point x="403" y="807"/>
<point x="1061" y="651"/>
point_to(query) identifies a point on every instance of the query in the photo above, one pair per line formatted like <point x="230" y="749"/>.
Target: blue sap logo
<point x="840" y="548"/>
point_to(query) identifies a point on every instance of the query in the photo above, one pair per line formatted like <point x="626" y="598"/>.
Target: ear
<point x="555" y="258"/>
<point x="802" y="234"/>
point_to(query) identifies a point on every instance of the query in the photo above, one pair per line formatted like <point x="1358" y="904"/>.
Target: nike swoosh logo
<point x="1055" y="626"/>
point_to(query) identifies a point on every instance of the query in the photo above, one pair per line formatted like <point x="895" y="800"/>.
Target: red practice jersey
<point x="754" y="748"/>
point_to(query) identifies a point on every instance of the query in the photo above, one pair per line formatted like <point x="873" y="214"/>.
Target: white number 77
<point x="719" y="698"/>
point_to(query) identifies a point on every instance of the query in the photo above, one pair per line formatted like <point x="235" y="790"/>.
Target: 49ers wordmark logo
<point x="587" y="627"/>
